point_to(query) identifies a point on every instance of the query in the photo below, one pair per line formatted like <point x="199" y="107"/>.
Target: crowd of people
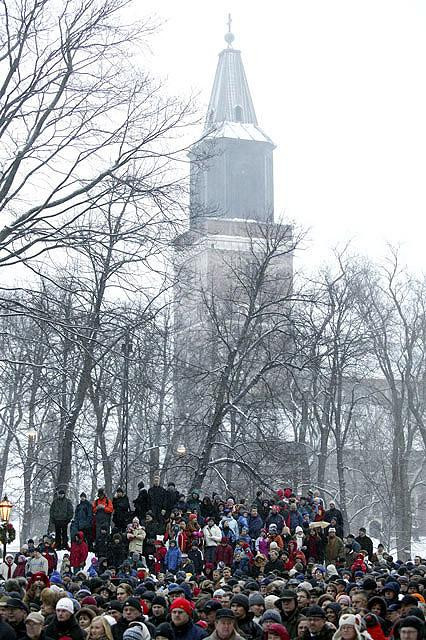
<point x="178" y="567"/>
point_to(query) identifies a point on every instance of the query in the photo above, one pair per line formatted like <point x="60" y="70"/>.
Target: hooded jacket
<point x="79" y="551"/>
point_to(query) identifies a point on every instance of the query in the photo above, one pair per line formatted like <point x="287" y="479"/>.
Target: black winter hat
<point x="164" y="629"/>
<point x="212" y="605"/>
<point x="242" y="600"/>
<point x="288" y="594"/>
<point x="133" y="602"/>
<point x="411" y="621"/>
<point x="225" y="613"/>
<point x="161" y="601"/>
<point x="315" y="611"/>
<point x="369" y="584"/>
<point x="114" y="605"/>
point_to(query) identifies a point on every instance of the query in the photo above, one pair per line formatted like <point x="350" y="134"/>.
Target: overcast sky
<point x="339" y="85"/>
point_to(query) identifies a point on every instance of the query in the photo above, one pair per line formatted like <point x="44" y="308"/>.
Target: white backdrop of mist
<point x="339" y="87"/>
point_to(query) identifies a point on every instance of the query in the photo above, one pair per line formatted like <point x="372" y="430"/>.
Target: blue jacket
<point x="189" y="631"/>
<point x="83" y="515"/>
<point x="173" y="559"/>
<point x="255" y="526"/>
<point x="295" y="520"/>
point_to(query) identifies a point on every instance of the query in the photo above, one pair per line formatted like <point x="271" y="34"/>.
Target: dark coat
<point x="61" y="510"/>
<point x="69" y="628"/>
<point x="291" y="621"/>
<point x="122" y="512"/>
<point x="116" y="551"/>
<point x="325" y="634"/>
<point x="249" y="629"/>
<point x="142" y="504"/>
<point x="255" y="525"/>
<point x="366" y="544"/>
<point x="6" y="631"/>
<point x="171" y="500"/>
<point x="157" y="497"/>
<point x="196" y="558"/>
<point x="83" y="515"/>
<point x="188" y="631"/>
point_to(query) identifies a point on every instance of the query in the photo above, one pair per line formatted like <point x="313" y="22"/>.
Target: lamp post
<point x="181" y="450"/>
<point x="5" y="510"/>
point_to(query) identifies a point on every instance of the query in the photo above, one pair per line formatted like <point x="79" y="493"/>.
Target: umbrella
<point x="321" y="524"/>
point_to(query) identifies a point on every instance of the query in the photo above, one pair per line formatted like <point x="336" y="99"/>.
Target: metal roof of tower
<point x="230" y="100"/>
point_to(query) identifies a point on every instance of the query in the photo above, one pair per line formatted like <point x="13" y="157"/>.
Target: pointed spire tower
<point x="232" y="166"/>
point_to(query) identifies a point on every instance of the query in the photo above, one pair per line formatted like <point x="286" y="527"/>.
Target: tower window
<point x="238" y="113"/>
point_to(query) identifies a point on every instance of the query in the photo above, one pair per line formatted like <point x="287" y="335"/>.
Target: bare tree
<point x="78" y="120"/>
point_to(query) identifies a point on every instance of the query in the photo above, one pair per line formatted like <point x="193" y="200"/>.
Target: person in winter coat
<point x="244" y="618"/>
<point x="83" y="519"/>
<point x="275" y="518"/>
<point x="350" y="628"/>
<point x="34" y="624"/>
<point x="181" y="621"/>
<point x="224" y="552"/>
<point x="359" y="564"/>
<point x="212" y="537"/>
<point x="21" y="563"/>
<point x="314" y="545"/>
<point x="171" y="499"/>
<point x="102" y="543"/>
<point x="8" y="567"/>
<point x="121" y="505"/>
<point x="136" y="535"/>
<point x="228" y="520"/>
<point x="116" y="551"/>
<point x="157" y="497"/>
<point x="296" y="518"/>
<point x="65" y="565"/>
<point x="193" y="502"/>
<point x="142" y="503"/>
<point x="255" y="524"/>
<point x="207" y="508"/>
<point x="61" y="513"/>
<point x="336" y="514"/>
<point x="49" y="553"/>
<point x="334" y="547"/>
<point x="64" y="623"/>
<point x="173" y="557"/>
<point x="102" y="509"/>
<point x="365" y="542"/>
<point x="196" y="557"/>
<point x="262" y="543"/>
<point x="79" y="552"/>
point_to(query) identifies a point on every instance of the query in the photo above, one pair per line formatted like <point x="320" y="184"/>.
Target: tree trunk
<point x="322" y="457"/>
<point x="65" y="470"/>
<point x="342" y="487"/>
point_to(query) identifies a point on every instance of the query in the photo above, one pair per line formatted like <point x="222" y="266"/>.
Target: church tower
<point x="231" y="222"/>
<point x="231" y="167"/>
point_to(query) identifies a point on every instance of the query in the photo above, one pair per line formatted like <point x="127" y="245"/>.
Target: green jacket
<point x="61" y="510"/>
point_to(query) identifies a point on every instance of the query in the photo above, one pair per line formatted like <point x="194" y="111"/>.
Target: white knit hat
<point x="65" y="603"/>
<point x="350" y="619"/>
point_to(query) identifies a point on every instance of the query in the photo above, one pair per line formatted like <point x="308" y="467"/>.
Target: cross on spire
<point x="229" y="37"/>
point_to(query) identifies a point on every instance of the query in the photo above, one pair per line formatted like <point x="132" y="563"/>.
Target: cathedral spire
<point x="230" y="100"/>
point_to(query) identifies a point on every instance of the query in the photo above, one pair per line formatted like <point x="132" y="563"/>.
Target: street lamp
<point x="5" y="510"/>
<point x="32" y="435"/>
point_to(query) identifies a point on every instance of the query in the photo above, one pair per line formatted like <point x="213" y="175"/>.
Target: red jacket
<point x="79" y="551"/>
<point x="224" y="553"/>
